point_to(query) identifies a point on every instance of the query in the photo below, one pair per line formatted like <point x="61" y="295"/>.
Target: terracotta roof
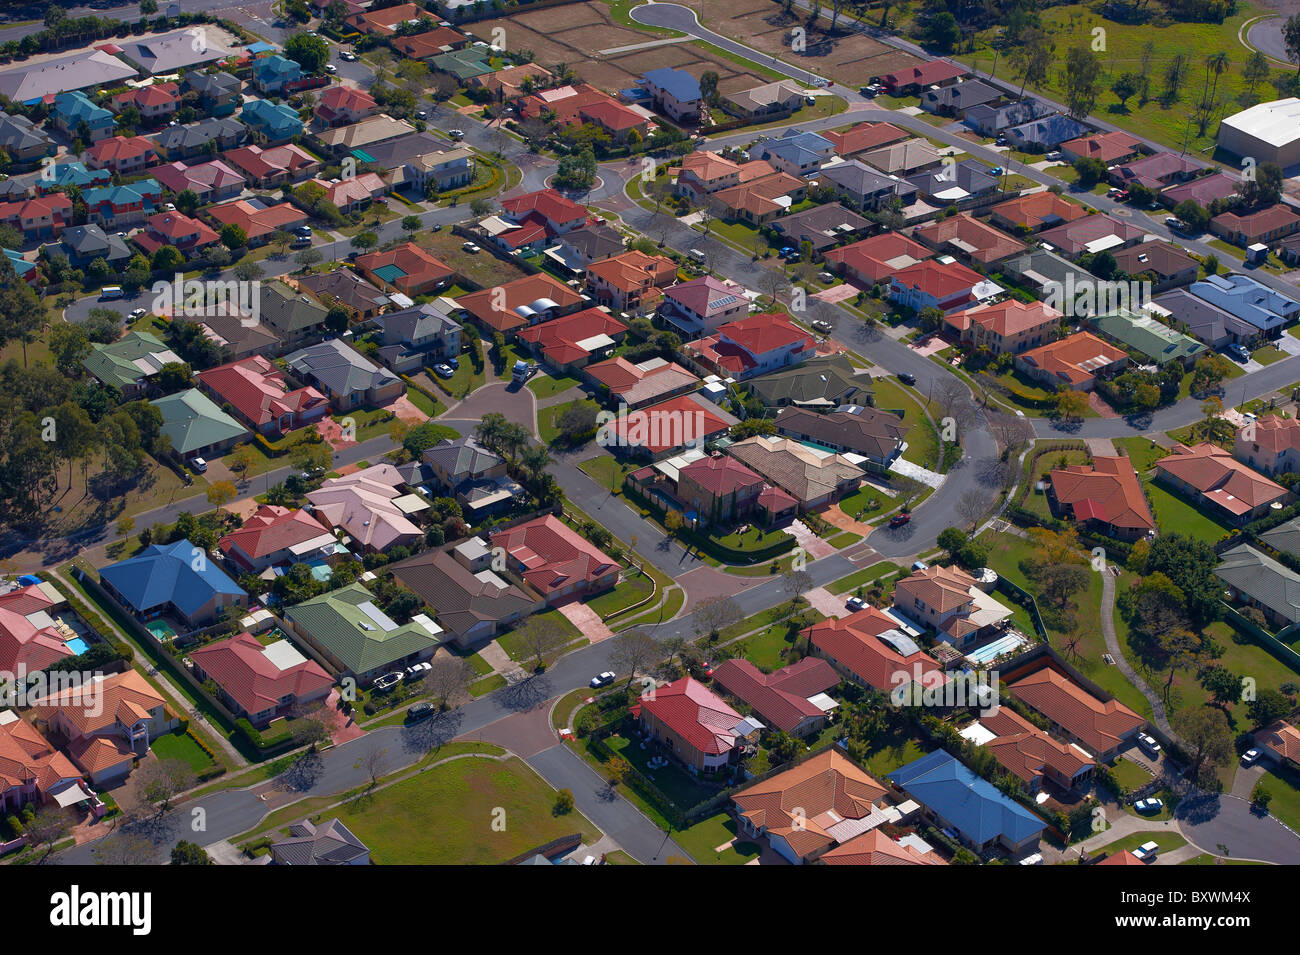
<point x="876" y="848"/>
<point x="675" y="423"/>
<point x="417" y="267"/>
<point x="546" y="202"/>
<point x="1276" y="434"/>
<point x="260" y="162"/>
<point x="864" y="136"/>
<point x="259" y="391"/>
<point x="1006" y="318"/>
<point x="1100" y="726"/>
<point x="117" y="149"/>
<point x="854" y="642"/>
<point x="939" y="280"/>
<point x="1038" y="209"/>
<point x="964" y="232"/>
<point x="430" y="43"/>
<point x="759" y="196"/>
<point x="1258" y="222"/>
<point x="1220" y="477"/>
<point x="942" y="588"/>
<point x="270" y="529"/>
<point x="635" y="383"/>
<point x="561" y="339"/>
<point x="338" y="98"/>
<point x="708" y="166"/>
<point x="808" y="804"/>
<point x="1027" y="751"/>
<point x="27" y="757"/>
<point x="720" y="475"/>
<point x="1123" y="857"/>
<point x="1075" y="359"/>
<point x="880" y="256"/>
<point x="696" y="714"/>
<point x="97" y="753"/>
<point x="522" y="293"/>
<point x="22" y="641"/>
<point x="1106" y="491"/>
<point x="781" y="698"/>
<point x="241" y="667"/>
<point x="124" y="697"/>
<point x="553" y="555"/>
<point x="257" y="222"/>
<point x="1282" y="738"/>
<point x="634" y="270"/>
<point x="1107" y="147"/>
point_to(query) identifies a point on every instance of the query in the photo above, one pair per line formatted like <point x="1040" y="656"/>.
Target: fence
<point x="1272" y="643"/>
<point x="1026" y="600"/>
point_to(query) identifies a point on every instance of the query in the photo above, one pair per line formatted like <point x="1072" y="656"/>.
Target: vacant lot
<point x="846" y="57"/>
<point x="576" y="34"/>
<point x="481" y="268"/>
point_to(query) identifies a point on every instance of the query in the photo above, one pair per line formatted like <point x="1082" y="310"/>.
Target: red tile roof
<point x="721" y="475"/>
<point x="696" y="714"/>
<point x="939" y="280"/>
<point x="21" y="641"/>
<point x="421" y="269"/>
<point x="1107" y="147"/>
<point x="26" y="757"/>
<point x="260" y="162"/>
<point x="1100" y="726"/>
<point x="259" y="391"/>
<point x="553" y="555"/>
<point x="1073" y="360"/>
<point x="1006" y="318"/>
<point x="240" y="666"/>
<point x="779" y="698"/>
<point x="547" y="203"/>
<point x="1107" y="491"/>
<point x="876" y="848"/>
<point x="880" y="256"/>
<point x="854" y="642"/>
<point x="1038" y="209"/>
<point x="1220" y="477"/>
<point x="865" y="136"/>
<point x="119" y="149"/>
<point x="270" y="529"/>
<point x="561" y="338"/>
<point x="675" y="423"/>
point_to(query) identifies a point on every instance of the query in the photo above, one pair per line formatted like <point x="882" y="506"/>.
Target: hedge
<point x="728" y="555"/>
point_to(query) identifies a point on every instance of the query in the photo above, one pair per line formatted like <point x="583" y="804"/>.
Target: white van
<point x="110" y="292"/>
<point x="697" y="255"/>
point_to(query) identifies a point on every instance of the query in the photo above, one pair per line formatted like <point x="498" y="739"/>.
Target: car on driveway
<point x="138" y="313"/>
<point x="443" y="371"/>
<point x="452" y="363"/>
<point x="602" y="679"/>
<point x="1147" y="851"/>
<point x="1250" y="756"/>
<point x="1149" y="805"/>
<point x="898" y="520"/>
<point x="1148" y="744"/>
<point x="855" y="604"/>
<point x="1238" y="351"/>
<point x="416" y="671"/>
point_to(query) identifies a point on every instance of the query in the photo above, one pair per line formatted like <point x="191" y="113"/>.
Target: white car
<point x="1148" y="744"/>
<point x="138" y="313"/>
<point x="602" y="679"/>
<point x="855" y="603"/>
<point x="471" y="248"/>
<point x="417" y="670"/>
<point x="199" y="464"/>
<point x="1147" y="851"/>
<point x="331" y="68"/>
<point x="1249" y="756"/>
<point x="456" y="133"/>
<point x="348" y="56"/>
<point x="1151" y="804"/>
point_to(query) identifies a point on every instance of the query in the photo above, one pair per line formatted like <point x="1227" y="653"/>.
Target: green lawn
<point x="181" y="746"/>
<point x="867" y="502"/>
<point x="765" y="649"/>
<point x="922" y="441"/>
<point x="545" y="385"/>
<point x="1167" y="841"/>
<point x="606" y="470"/>
<point x="430" y="406"/>
<point x="396" y="823"/>
<point x="892" y="754"/>
<point x="862" y="577"/>
<point x="1143" y="452"/>
<point x="464" y="380"/>
<point x="703" y="839"/>
<point x="631" y="591"/>
<point x="1268" y="354"/>
<point x="1175" y="512"/>
<point x="1129" y="774"/>
<point x="546" y="418"/>
<point x="513" y="645"/>
<point x="681" y="789"/>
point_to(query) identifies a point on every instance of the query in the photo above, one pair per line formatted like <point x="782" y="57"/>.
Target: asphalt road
<point x="1213" y="821"/>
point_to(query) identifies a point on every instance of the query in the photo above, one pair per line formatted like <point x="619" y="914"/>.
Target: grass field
<point x="181" y="746"/>
<point x="860" y="577"/>
<point x="1173" y="511"/>
<point x="1167" y="841"/>
<point x="922" y="441"/>
<point x="704" y="839"/>
<point x="396" y="824"/>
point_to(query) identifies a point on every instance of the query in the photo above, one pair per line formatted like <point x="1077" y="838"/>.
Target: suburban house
<point x="259" y="682"/>
<point x="696" y="725"/>
<point x="210" y="181"/>
<point x="270" y="123"/>
<point x="1155" y="171"/>
<point x="1074" y="362"/>
<point x="826" y="381"/>
<point x="416" y="336"/>
<point x="407" y="268"/>
<point x="30" y="637"/>
<point x="261" y="396"/>
<point x="1109" y="147"/>
<point x="873" y="847"/>
<point x="1092" y="234"/>
<point x="23" y="140"/>
<point x="913" y="79"/>
<point x="577" y="249"/>
<point x="83" y="244"/>
<point x="75" y="174"/>
<point x="330" y="843"/>
<point x="1279" y="743"/>
<point x="660" y="430"/>
<point x="1102" y="727"/>
<point x="118" y="206"/>
<point x="291" y="316"/>
<point x="752" y="346"/>
<point x="477" y="478"/>
<point x="259" y="221"/>
<point x="387" y="21"/>
<point x="155" y="102"/>
<point x="168" y="580"/>
<point x="1042" y="134"/>
<point x="1035" y="212"/>
<point x="863" y="137"/>
<point x="1149" y="337"/>
<point x="182" y="233"/>
<point x="966" y="803"/>
<point x="106" y="739"/>
<point x="1270" y="445"/>
<point x="555" y="560"/>
<point x="1210" y="323"/>
<point x="1010" y="326"/>
<point x="796" y="153"/>
<point x="74" y="112"/>
<point x="759" y="201"/>
<point x="1202" y="190"/>
<point x="991" y="120"/>
<point x="955" y="100"/>
<point x="775" y="99"/>
<point x="581" y="104"/>
<point x="218" y="92"/>
<point x="641" y="383"/>
<point x="968" y="238"/>
<point x="1219" y="483"/>
<point x="31" y="769"/>
<point x="793" y="699"/>
<point x="874" y="260"/>
<point x="358" y="639"/>
<point x="943" y="285"/>
<point x="1255" y="579"/>
<point x="348" y="378"/>
<point x="1266" y="309"/>
<point x="965" y="185"/>
<point x="447" y="168"/>
<point x="813" y="477"/>
<point x="907" y="158"/>
<point x="951" y="601"/>
<point x="208" y="137"/>
<point x="871" y="433"/>
<point x="1167" y="265"/>
<point x="631" y="281"/>
<point x="369" y="506"/>
<point x="474" y="602"/>
<point x="1030" y="754"/>
<point x="702" y="173"/>
<point x="519" y="303"/>
<point x="130" y="362"/>
<point x="237" y="335"/>
<point x="870" y="648"/>
<point x="345" y="105"/>
<point x="812" y="807"/>
<point x="344" y="287"/>
<point x="675" y="93"/>
<point x="340" y="141"/>
<point x="1105" y="496"/>
<point x="274" y="74"/>
<point x="125" y="155"/>
<point x="273" y="536"/>
<point x="510" y="83"/>
<point x="719" y="489"/>
<point x="822" y="226"/>
<point x="568" y="343"/>
<point x="196" y="425"/>
<point x="699" y="306"/>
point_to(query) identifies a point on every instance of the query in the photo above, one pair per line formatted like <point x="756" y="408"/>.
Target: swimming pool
<point x="77" y="645"/>
<point x="161" y="630"/>
<point x="992" y="651"/>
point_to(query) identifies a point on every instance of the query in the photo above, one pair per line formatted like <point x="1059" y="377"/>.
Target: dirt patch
<point x="482" y="268"/>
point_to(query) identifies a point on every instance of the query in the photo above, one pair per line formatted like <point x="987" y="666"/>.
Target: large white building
<point x="1267" y="132"/>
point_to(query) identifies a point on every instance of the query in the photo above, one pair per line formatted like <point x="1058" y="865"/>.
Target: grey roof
<point x="594" y="242"/>
<point x="1041" y="267"/>
<point x="196" y="135"/>
<point x="171" y="51"/>
<point x="19" y="134"/>
<point x="462" y="458"/>
<point x="398" y="151"/>
<point x="1262" y="579"/>
<point x="823" y="381"/>
<point x="1049" y="131"/>
<point x="975" y="177"/>
<point x="462" y="599"/>
<point x="213" y="85"/>
<point x="1206" y="321"/>
<point x="858" y="179"/>
<point x="823" y="225"/>
<point x="288" y="312"/>
<point x="346" y="286"/>
<point x="960" y="96"/>
<point x="861" y="429"/>
<point x="237" y="332"/>
<point x="89" y="242"/>
<point x="416" y="322"/>
<point x="13" y="188"/>
<point x="340" y="369"/>
<point x="994" y="119"/>
<point x="29" y="82"/>
<point x="1284" y="537"/>
<point x="328" y="844"/>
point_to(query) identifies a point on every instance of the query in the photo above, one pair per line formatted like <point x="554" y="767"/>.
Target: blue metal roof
<point x="680" y="84"/>
<point x="166" y="573"/>
<point x="970" y="803"/>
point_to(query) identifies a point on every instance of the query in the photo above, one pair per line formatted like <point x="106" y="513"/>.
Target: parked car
<point x="907" y="378"/>
<point x="696" y="255"/>
<point x="456" y="134"/>
<point x="898" y="520"/>
<point x="996" y="171"/>
<point x="822" y="326"/>
<point x="1035" y="858"/>
<point x="443" y="371"/>
<point x="1149" y="805"/>
<point x="331" y="68"/>
<point x="420" y="711"/>
<point x="453" y="363"/>
<point x="1121" y="196"/>
<point x="602" y="679"/>
<point x="1249" y="756"/>
<point x="388" y="681"/>
<point x="1238" y="351"/>
<point x="471" y="248"/>
<point x="348" y="56"/>
<point x="137" y="313"/>
<point x="416" y="671"/>
<point x="1148" y="744"/>
<point x="421" y="114"/>
<point x="198" y="464"/>
<point x="1053" y="156"/>
<point x="302" y="242"/>
<point x="855" y="604"/>
<point x="1147" y="851"/>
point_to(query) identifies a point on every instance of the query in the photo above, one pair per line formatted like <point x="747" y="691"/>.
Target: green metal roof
<point x="193" y="420"/>
<point x="347" y="623"/>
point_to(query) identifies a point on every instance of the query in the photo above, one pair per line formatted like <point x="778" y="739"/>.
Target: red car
<point x="898" y="520"/>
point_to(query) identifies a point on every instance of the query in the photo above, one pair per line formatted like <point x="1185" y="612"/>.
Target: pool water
<point x="77" y="645"/>
<point x="995" y="649"/>
<point x="161" y="630"/>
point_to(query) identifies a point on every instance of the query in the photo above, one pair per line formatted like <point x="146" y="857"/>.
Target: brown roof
<point x="1006" y="318"/>
<point x="870" y="431"/>
<point x="795" y="467"/>
<point x="864" y="136"/>
<point x="1159" y="258"/>
<point x="634" y="270"/>
<point x="1099" y="725"/>
<point x="804" y="804"/>
<point x="1073" y="360"/>
<point x="1282" y="738"/>
<point x="514" y="295"/>
<point x="758" y="196"/>
<point x="1038" y="209"/>
<point x="721" y="475"/>
<point x="1276" y="434"/>
<point x="1220" y="477"/>
<point x="1027" y="751"/>
<point x="26" y="756"/>
<point x="982" y="242"/>
<point x="943" y="588"/>
<point x="876" y="848"/>
<point x="1107" y="491"/>
<point x="779" y="698"/>
<point x="1255" y="223"/>
<point x="1108" y="147"/>
<point x="1123" y="857"/>
<point x="123" y="697"/>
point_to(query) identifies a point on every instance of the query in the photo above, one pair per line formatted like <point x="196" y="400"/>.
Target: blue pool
<point x="77" y="645"/>
<point x="995" y="649"/>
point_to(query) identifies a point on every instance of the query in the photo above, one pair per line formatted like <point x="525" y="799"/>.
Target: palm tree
<point x="490" y="429"/>
<point x="1218" y="62"/>
<point x="535" y="460"/>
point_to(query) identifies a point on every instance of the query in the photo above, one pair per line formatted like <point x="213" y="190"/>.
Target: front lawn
<point x="396" y="824"/>
<point x="631" y="590"/>
<point x="606" y="470"/>
<point x="1173" y="512"/>
<point x="181" y="746"/>
<point x="545" y="385"/>
<point x="860" y="578"/>
<point x="681" y="789"/>
<point x="714" y="842"/>
<point x="922" y="439"/>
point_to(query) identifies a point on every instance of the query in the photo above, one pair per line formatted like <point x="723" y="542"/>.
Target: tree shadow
<point x="526" y="694"/>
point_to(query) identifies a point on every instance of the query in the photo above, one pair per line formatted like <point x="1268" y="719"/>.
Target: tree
<point x="1260" y="797"/>
<point x="364" y="240"/>
<point x="618" y="769"/>
<point x="448" y="679"/>
<point x="1269" y="705"/>
<point x="1264" y="188"/>
<point x="1206" y="738"/>
<point x="577" y="421"/>
<point x="634" y="651"/>
<point x="972" y="506"/>
<point x="563" y="802"/>
<point x="233" y="237"/>
<point x="942" y="32"/>
<point x="539" y="636"/>
<point x="1194" y="216"/>
<point x="167" y="260"/>
<point x="1291" y="39"/>
<point x="709" y="87"/>
<point x="281" y="239"/>
<point x="1255" y="71"/>
<point x="124" y="848"/>
<point x="1082" y="81"/>
<point x="796" y="583"/>
<point x="163" y="780"/>
<point x="1059" y="582"/>
<point x="1125" y="87"/>
<point x="712" y="615"/>
<point x="1090" y="171"/>
<point x="410" y="223"/>
<point x="1071" y="405"/>
<point x="222" y="492"/>
<point x="50" y="825"/>
<point x="1191" y="563"/>
<point x="1222" y="684"/>
<point x="1033" y="58"/>
<point x="190" y="853"/>
<point x="309" y="52"/>
<point x="372" y="763"/>
<point x="187" y="201"/>
<point x="148" y="7"/>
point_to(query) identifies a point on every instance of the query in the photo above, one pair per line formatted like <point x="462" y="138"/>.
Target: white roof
<point x="1276" y="122"/>
<point x="823" y="702"/>
<point x="283" y="654"/>
<point x="595" y="342"/>
<point x="978" y="734"/>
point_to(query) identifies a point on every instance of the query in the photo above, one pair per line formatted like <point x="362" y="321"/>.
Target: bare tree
<point x="48" y="826"/>
<point x="124" y="848"/>
<point x="1012" y="433"/>
<point x="310" y="725"/>
<point x="449" y="679"/>
<point x="955" y="402"/>
<point x="635" y="651"/>
<point x="372" y="763"/>
<point x="796" y="583"/>
<point x="972" y="506"/>
<point x="162" y="781"/>
<point x="539" y="636"/>
<point x="712" y="615"/>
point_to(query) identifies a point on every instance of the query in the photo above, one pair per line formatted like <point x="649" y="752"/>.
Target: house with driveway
<point x="348" y="378"/>
<point x="261" y="682"/>
<point x="555" y="560"/>
<point x="1103" y="727"/>
<point x="695" y="725"/>
<point x="275" y="535"/>
<point x="175" y="581"/>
